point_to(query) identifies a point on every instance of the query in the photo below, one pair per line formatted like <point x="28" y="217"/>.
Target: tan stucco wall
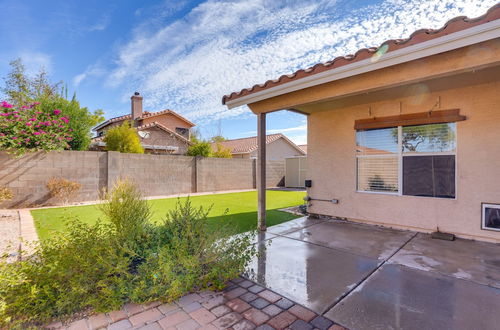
<point x="278" y="150"/>
<point x="159" y="137"/>
<point x="332" y="162"/>
<point x="168" y="120"/>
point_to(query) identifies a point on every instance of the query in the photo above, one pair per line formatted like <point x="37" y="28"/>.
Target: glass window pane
<point x="378" y="173"/>
<point x="430" y="176"/>
<point x="492" y="218"/>
<point x="377" y="141"/>
<point x="429" y="138"/>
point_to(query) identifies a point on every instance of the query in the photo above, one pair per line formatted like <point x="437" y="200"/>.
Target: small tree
<point x="62" y="189"/>
<point x="222" y="152"/>
<point x="200" y="148"/>
<point x="123" y="138"/>
<point x="217" y="138"/>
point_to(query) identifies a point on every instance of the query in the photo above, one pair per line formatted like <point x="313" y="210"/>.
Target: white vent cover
<point x="490" y="217"/>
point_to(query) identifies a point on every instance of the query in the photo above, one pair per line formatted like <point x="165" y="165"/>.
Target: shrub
<point x="5" y="194"/>
<point x="21" y="88"/>
<point x="127" y="259"/>
<point x="62" y="189"/>
<point x="81" y="119"/>
<point x="123" y="138"/>
<point x="30" y="129"/>
<point x="222" y="152"/>
<point x="200" y="148"/>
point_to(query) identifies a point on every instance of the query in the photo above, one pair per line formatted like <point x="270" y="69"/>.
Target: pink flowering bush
<point x="29" y="129"/>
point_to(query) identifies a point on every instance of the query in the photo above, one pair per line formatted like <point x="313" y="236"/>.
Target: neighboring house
<point x="404" y="135"/>
<point x="303" y="147"/>
<point x="279" y="147"/>
<point x="160" y="132"/>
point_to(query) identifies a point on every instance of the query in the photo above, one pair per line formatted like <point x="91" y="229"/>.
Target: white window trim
<point x="400" y="154"/>
<point x="483" y="215"/>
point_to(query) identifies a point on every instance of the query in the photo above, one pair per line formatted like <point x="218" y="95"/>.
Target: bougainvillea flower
<point x="6" y="104"/>
<point x="57" y="111"/>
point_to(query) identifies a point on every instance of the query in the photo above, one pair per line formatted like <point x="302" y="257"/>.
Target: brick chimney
<point x="136" y="109"/>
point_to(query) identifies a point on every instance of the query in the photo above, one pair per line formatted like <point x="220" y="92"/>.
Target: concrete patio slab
<point x="398" y="297"/>
<point x="293" y="225"/>
<point x="313" y="276"/>
<point x="365" y="240"/>
<point x="471" y="260"/>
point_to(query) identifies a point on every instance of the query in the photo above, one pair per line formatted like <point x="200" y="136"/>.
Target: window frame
<point x="400" y="154"/>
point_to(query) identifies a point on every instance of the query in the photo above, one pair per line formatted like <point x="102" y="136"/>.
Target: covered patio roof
<point x="463" y="50"/>
<point x="457" y="33"/>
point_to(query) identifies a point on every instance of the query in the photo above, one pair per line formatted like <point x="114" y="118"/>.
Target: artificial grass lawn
<point x="240" y="210"/>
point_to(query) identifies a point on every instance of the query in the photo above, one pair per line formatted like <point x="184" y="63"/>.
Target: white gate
<point x="295" y="172"/>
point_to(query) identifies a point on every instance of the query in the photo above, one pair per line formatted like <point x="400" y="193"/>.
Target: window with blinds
<point x="410" y="160"/>
<point x="377" y="160"/>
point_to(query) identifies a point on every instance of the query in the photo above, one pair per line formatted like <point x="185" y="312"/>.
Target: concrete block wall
<point x="216" y="174"/>
<point x="97" y="170"/>
<point x="27" y="176"/>
<point x="275" y="173"/>
<point x="157" y="174"/>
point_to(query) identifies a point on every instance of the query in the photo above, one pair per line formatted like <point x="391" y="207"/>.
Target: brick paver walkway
<point x="242" y="305"/>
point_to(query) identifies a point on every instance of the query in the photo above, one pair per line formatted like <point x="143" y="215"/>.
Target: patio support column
<point x="261" y="171"/>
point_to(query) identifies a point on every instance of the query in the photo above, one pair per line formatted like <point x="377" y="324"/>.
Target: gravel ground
<point x="9" y="232"/>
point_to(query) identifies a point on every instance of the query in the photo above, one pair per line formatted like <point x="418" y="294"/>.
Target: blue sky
<point x="185" y="55"/>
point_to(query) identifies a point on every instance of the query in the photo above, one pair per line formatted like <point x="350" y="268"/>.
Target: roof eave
<point x="480" y="33"/>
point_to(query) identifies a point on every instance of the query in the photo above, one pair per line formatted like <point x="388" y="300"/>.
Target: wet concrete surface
<point x="314" y="276"/>
<point x="293" y="225"/>
<point x="369" y="277"/>
<point x="365" y="240"/>
<point x="398" y="297"/>
<point x="466" y="259"/>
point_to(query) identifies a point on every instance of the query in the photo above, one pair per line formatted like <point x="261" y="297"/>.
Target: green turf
<point x="241" y="210"/>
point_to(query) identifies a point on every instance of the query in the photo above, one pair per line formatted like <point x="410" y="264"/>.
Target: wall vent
<point x="490" y="219"/>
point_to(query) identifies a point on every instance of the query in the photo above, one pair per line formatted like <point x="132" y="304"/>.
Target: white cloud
<point x="224" y="46"/>
<point x="298" y="139"/>
<point x="101" y="24"/>
<point x="34" y="61"/>
<point x="79" y="78"/>
<point x="94" y="70"/>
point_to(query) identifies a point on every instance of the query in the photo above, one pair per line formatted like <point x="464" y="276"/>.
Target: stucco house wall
<point x="158" y="136"/>
<point x="278" y="150"/>
<point x="168" y="120"/>
<point x="332" y="163"/>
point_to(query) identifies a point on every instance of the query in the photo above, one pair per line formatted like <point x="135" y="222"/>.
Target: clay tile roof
<point x="247" y="145"/>
<point x="145" y="114"/>
<point x="150" y="125"/>
<point x="454" y="25"/>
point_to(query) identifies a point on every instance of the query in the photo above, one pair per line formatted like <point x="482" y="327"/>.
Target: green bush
<point x="123" y="138"/>
<point x="100" y="267"/>
<point x="200" y="148"/>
